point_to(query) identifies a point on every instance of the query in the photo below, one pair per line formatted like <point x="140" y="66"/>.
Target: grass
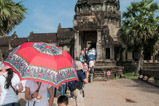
<point x="114" y="78"/>
<point x="130" y="76"/>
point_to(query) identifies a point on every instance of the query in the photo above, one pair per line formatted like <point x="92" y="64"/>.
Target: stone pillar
<point x="76" y="47"/>
<point x="80" y="43"/>
<point x="152" y="59"/>
<point x="124" y="55"/>
<point x="112" y="53"/>
<point x="1" y="57"/>
<point x="99" y="45"/>
<point x="129" y="56"/>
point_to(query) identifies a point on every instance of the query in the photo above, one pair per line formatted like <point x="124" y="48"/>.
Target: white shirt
<point x="42" y="92"/>
<point x="91" y="63"/>
<point x="93" y="52"/>
<point x="23" y="83"/>
<point x="8" y="95"/>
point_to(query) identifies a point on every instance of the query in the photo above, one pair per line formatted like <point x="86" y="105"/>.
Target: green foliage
<point x="114" y="79"/>
<point x="140" y="26"/>
<point x="130" y="76"/>
<point x="11" y="14"/>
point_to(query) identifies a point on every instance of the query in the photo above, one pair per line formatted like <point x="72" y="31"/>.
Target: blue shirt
<point x="81" y="58"/>
<point x="81" y="76"/>
<point x="91" y="55"/>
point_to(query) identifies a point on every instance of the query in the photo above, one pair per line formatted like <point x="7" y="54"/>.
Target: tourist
<point x="91" y="65"/>
<point x="62" y="89"/>
<point x="62" y="101"/>
<point x="94" y="51"/>
<point x="10" y="86"/>
<point x="67" y="88"/>
<point x="79" y="93"/>
<point x="83" y="52"/>
<point x="36" y="94"/>
<point x="91" y="55"/>
<point x="81" y="57"/>
<point x="85" y="67"/>
<point x="86" y="55"/>
<point x="54" y="92"/>
<point x="86" y="51"/>
<point x="91" y="70"/>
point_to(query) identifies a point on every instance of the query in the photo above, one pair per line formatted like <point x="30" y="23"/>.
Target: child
<point x="62" y="101"/>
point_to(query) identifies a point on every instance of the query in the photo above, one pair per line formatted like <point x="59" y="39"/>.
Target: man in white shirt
<point x="39" y="97"/>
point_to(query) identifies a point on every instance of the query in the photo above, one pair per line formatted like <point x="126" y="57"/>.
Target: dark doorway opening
<point x="107" y="53"/>
<point x="88" y="39"/>
<point x="92" y="45"/>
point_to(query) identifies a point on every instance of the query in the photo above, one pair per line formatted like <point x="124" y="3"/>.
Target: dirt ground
<point x="121" y="92"/>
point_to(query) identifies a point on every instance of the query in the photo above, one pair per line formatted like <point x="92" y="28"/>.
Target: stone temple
<point x="96" y="25"/>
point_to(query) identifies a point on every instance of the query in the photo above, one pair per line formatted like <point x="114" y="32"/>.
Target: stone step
<point x="99" y="79"/>
<point x="98" y="76"/>
<point x="105" y="67"/>
<point x="98" y="73"/>
<point x="105" y="63"/>
<point x="151" y="64"/>
<point x="98" y="70"/>
<point x="147" y="67"/>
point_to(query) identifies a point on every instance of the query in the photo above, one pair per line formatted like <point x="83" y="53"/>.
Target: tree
<point x="139" y="28"/>
<point x="11" y="14"/>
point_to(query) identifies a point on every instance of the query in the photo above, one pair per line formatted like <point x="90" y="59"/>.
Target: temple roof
<point x="65" y="33"/>
<point x="91" y="1"/>
<point x="18" y="41"/>
<point x="4" y="41"/>
<point x="95" y="1"/>
<point x="43" y="37"/>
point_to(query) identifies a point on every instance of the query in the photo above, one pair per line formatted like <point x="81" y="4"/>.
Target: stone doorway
<point x="88" y="39"/>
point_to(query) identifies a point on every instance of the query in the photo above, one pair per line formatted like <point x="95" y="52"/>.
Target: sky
<point x="44" y="16"/>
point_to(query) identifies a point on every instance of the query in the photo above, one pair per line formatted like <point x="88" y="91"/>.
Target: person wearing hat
<point x="79" y="93"/>
<point x="10" y="86"/>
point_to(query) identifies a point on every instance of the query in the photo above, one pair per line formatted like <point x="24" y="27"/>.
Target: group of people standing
<point x="88" y="54"/>
<point x="77" y="87"/>
<point x="88" y="57"/>
<point x="36" y="93"/>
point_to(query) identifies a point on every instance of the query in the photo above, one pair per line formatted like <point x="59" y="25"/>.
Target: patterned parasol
<point x="39" y="61"/>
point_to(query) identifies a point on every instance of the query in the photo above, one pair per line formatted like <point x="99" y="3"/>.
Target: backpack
<point x="72" y="85"/>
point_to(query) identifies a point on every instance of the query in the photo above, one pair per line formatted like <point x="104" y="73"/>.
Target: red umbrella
<point x="39" y="61"/>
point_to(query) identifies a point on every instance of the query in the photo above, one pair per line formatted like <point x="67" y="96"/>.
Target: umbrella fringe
<point x="40" y="73"/>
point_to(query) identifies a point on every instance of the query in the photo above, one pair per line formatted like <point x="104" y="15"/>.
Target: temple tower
<point x="96" y="25"/>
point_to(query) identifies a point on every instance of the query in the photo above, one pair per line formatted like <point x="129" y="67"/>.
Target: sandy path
<point x="115" y="93"/>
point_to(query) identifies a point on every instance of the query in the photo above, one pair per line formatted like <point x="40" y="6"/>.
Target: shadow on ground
<point x="145" y="86"/>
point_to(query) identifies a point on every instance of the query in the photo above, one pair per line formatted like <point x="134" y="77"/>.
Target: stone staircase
<point x="150" y="70"/>
<point x="151" y="66"/>
<point x="102" y="67"/>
